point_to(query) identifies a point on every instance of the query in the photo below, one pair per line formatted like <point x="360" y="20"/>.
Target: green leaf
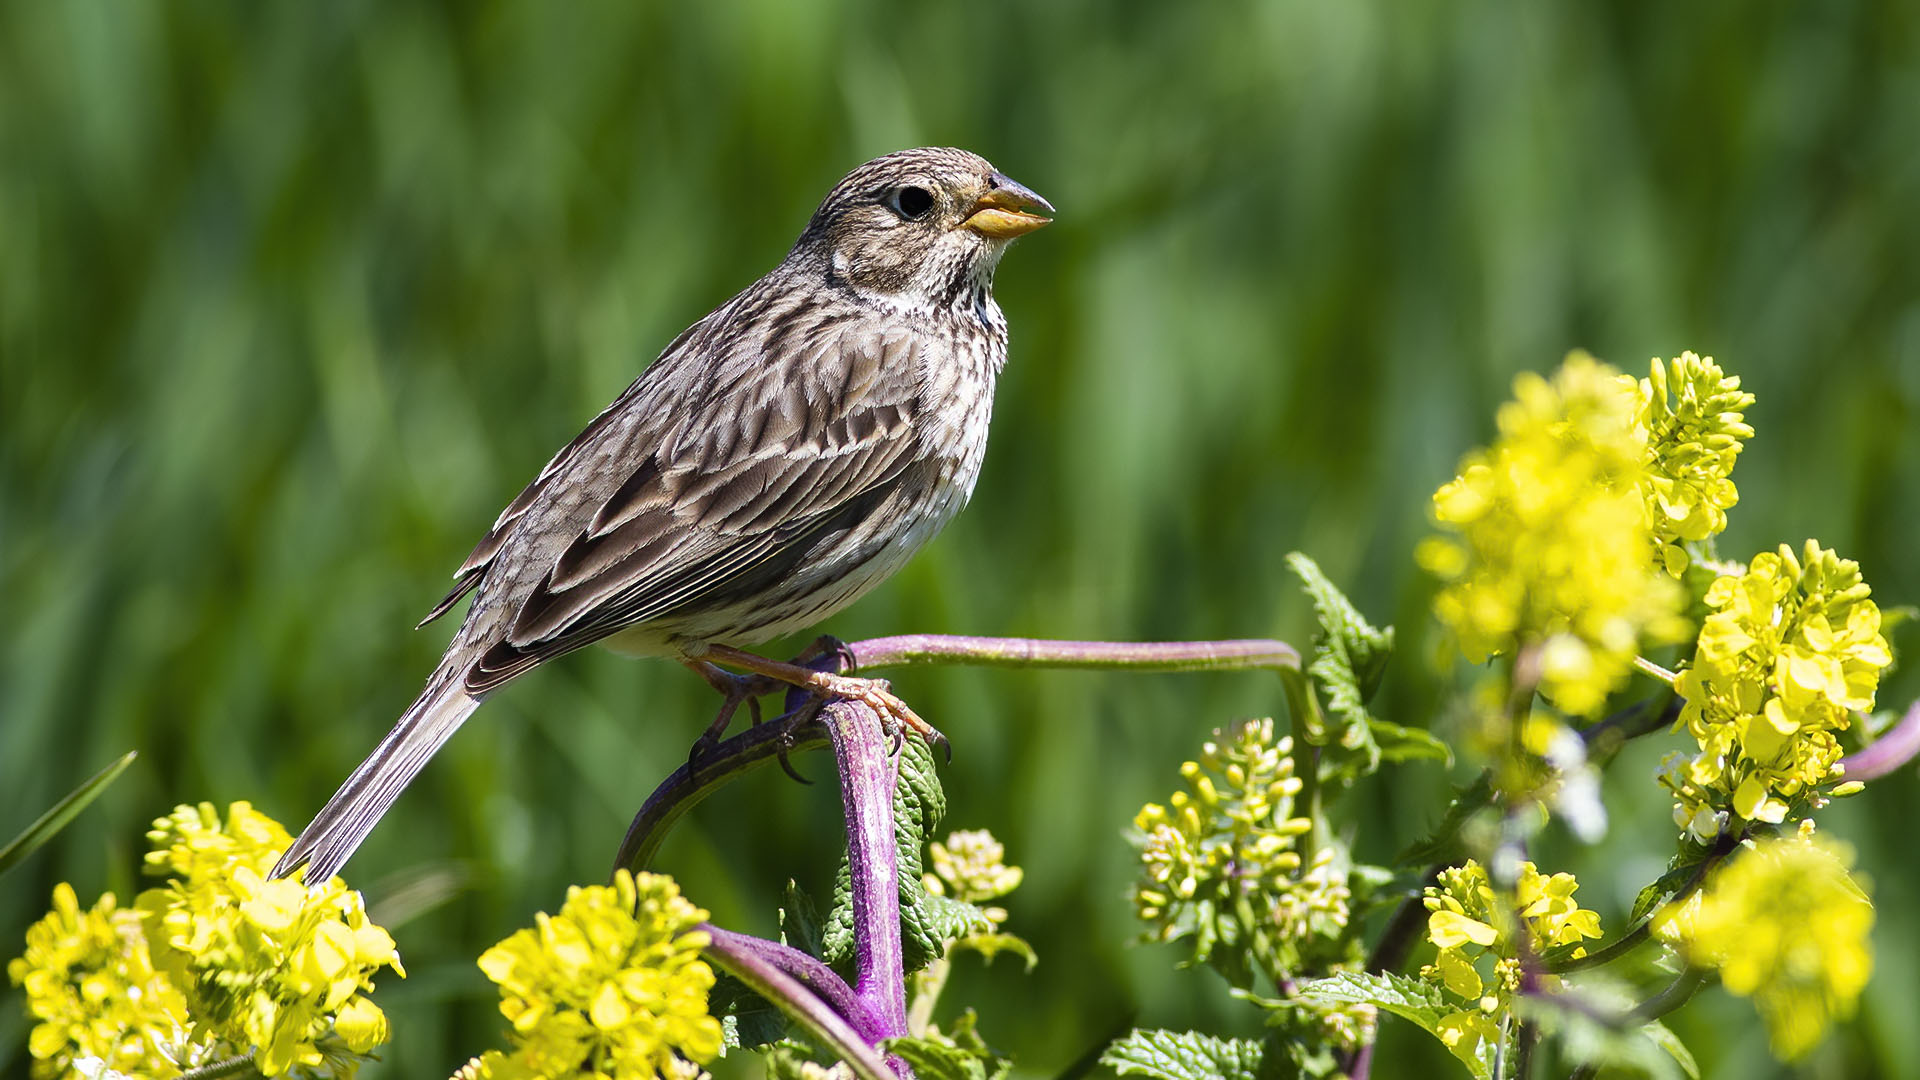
<point x="964" y="1032"/>
<point x="747" y="1020"/>
<point x="1399" y="743"/>
<point x="1349" y="658"/>
<point x="934" y="1060"/>
<point x="800" y="922"/>
<point x="990" y="946"/>
<point x="63" y="812"/>
<point x="1425" y="1005"/>
<point x="1442" y="845"/>
<point x="1365" y="647"/>
<point x="1183" y="1055"/>
<point x="1665" y="1039"/>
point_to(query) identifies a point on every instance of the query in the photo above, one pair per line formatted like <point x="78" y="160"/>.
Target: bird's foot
<point x="875" y="694"/>
<point x="735" y="690"/>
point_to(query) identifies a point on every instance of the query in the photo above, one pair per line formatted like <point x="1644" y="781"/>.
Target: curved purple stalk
<point x="867" y="779"/>
<point x="1893" y="749"/>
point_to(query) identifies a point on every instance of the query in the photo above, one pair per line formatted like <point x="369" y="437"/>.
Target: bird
<point x="780" y="458"/>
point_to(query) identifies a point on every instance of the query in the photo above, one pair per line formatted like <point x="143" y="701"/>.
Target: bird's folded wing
<point x="725" y="481"/>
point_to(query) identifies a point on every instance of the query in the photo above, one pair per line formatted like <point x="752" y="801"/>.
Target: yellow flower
<point x="1785" y="924"/>
<point x="269" y="965"/>
<point x="1471" y="929"/>
<point x="92" y="987"/>
<point x="611" y="986"/>
<point x="1691" y="416"/>
<point x="971" y="865"/>
<point x="1546" y="538"/>
<point x="1791" y="649"/>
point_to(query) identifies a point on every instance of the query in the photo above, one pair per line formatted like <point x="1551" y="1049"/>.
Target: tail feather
<point x="367" y="795"/>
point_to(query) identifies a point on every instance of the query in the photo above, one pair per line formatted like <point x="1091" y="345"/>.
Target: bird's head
<point x="921" y="227"/>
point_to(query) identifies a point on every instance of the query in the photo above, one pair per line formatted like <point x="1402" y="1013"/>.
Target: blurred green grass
<point x="294" y="297"/>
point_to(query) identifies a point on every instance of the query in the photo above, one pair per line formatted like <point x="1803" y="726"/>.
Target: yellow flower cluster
<point x="92" y="988"/>
<point x="270" y="965"/>
<point x="1691" y="417"/>
<point x="1548" y="538"/>
<point x="217" y="963"/>
<point x="1230" y="836"/>
<point x="971" y="866"/>
<point x="1477" y="960"/>
<point x="1792" y="647"/>
<point x="612" y="986"/>
<point x="1785" y="924"/>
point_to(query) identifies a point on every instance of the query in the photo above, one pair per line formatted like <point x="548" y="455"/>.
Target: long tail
<point x="367" y="795"/>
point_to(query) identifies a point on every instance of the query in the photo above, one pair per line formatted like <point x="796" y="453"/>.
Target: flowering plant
<point x="1578" y="579"/>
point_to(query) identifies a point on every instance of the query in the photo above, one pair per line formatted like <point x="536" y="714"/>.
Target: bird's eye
<point x="913" y="203"/>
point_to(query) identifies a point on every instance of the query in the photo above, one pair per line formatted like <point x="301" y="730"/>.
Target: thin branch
<point x="1605" y="738"/>
<point x="907" y="650"/>
<point x="1677" y="993"/>
<point x="1627" y="942"/>
<point x="240" y="1066"/>
<point x="1895" y="747"/>
<point x="1648" y="667"/>
<point x="1403" y="928"/>
<point x="688" y="785"/>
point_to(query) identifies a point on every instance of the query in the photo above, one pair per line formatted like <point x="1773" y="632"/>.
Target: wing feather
<point x="725" y="488"/>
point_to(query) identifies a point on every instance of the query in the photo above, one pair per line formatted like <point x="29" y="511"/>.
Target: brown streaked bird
<point x="783" y="456"/>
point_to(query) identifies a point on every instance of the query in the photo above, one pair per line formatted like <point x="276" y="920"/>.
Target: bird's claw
<point x="878" y="695"/>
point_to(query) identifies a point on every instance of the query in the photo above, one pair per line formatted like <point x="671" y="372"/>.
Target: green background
<point x="294" y="297"/>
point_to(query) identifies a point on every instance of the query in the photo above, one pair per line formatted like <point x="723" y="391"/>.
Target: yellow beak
<point x="1001" y="213"/>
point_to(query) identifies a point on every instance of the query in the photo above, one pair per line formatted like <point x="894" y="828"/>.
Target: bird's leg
<point x="734" y="690"/>
<point x="873" y="693"/>
<point x="822" y="647"/>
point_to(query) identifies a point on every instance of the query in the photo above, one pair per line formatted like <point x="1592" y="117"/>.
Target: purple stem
<point x="1893" y="749"/>
<point x="752" y="965"/>
<point x="912" y="649"/>
<point x="688" y="785"/>
<point x="816" y="976"/>
<point x="864" y="753"/>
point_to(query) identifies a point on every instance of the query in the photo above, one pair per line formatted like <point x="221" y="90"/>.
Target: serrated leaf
<point x="1367" y="647"/>
<point x="1183" y="1055"/>
<point x="1396" y="993"/>
<point x="964" y="1033"/>
<point x="990" y="946"/>
<point x="949" y="919"/>
<point x="1665" y="1039"/>
<point x="62" y="812"/>
<point x="933" y="1060"/>
<point x="1422" y="1004"/>
<point x="1349" y="657"/>
<point x="1442" y="845"/>
<point x="800" y="921"/>
<point x="747" y="1020"/>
